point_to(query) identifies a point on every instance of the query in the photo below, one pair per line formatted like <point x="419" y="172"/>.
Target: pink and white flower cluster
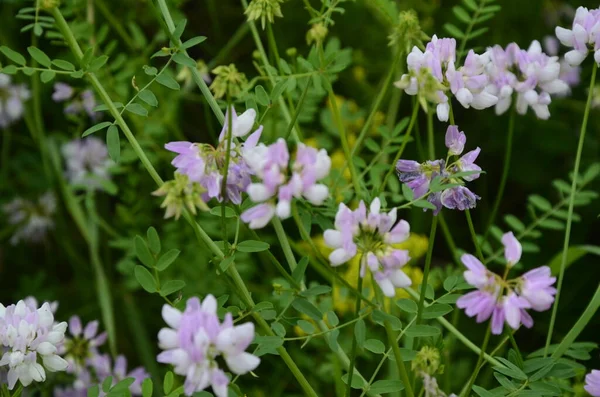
<point x="506" y="300"/>
<point x="281" y="180"/>
<point x="372" y="235"/>
<point x="531" y="74"/>
<point x="583" y="37"/>
<point x="205" y="164"/>
<point x="196" y="338"/>
<point x="467" y="82"/>
<point x="29" y="337"/>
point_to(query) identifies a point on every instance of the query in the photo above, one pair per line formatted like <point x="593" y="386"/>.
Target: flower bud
<point x="229" y="82"/>
<point x="264" y="10"/>
<point x="316" y="34"/>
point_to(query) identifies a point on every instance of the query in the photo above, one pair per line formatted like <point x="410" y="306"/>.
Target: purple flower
<point x="84" y="102"/>
<point x="205" y="164"/>
<point x="62" y="92"/>
<point x="418" y="176"/>
<point x="11" y="101"/>
<point x="372" y="234"/>
<point x="506" y="300"/>
<point x="102" y="367"/>
<point x="82" y="345"/>
<point x="582" y="37"/>
<point x="30" y="337"/>
<point x="194" y="340"/>
<point x="281" y="182"/>
<point x="33" y="221"/>
<point x="455" y="140"/>
<point x="459" y="198"/>
<point x="467" y="163"/>
<point x="592" y="383"/>
<point x="87" y="162"/>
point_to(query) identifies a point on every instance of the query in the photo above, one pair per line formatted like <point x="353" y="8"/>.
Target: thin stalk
<point x="285" y="245"/>
<point x="504" y="177"/>
<point x="434" y="223"/>
<point x="469" y="385"/>
<point x="273" y="45"/>
<point x="411" y="124"/>
<point x="449" y="239"/>
<point x="297" y="111"/>
<point x="565" y="252"/>
<point x="474" y="235"/>
<point x="228" y="137"/>
<point x="354" y="341"/>
<point x="116" y="24"/>
<point x="430" y="138"/>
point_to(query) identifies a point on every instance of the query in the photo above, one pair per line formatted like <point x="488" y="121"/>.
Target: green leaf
<point x="113" y="143"/>
<point x="150" y="70"/>
<point x="167" y="81"/>
<point x="278" y="328"/>
<point x="142" y="252"/>
<point x="552" y="224"/>
<point x="147" y="387"/>
<point x="167" y="259"/>
<point x="316" y="290"/>
<point x="138" y="109"/>
<point x="306" y="326"/>
<point x="540" y="202"/>
<point x="261" y="96"/>
<point x="179" y="28"/>
<point x="424" y="204"/>
<point x="590" y="174"/>
<point x="407" y="305"/>
<point x="97" y="63"/>
<point x="65" y="65"/>
<point x="106" y="384"/>
<point x="374" y="346"/>
<point x="357" y="381"/>
<point x="422" y="331"/>
<point x="386" y="386"/>
<point x="573" y="254"/>
<point x="39" y="56"/>
<point x="471" y="4"/>
<point x="451" y="298"/>
<point x="184" y="60"/>
<point x="28" y="71"/>
<point x="481" y="392"/>
<point x="407" y="192"/>
<point x="332" y="318"/>
<point x="454" y="31"/>
<point x="478" y="32"/>
<point x="143" y="276"/>
<point x="306" y="307"/>
<point x="278" y="89"/>
<point x="450" y="283"/>
<point x="193" y="41"/>
<point x="461" y="14"/>
<point x="252" y="246"/>
<point x="381" y="317"/>
<point x="267" y="344"/>
<point x="13" y="55"/>
<point x="514" y="223"/>
<point x="77" y="74"/>
<point x="93" y="391"/>
<point x="226" y="262"/>
<point x="148" y="97"/>
<point x="436" y="310"/>
<point x="97" y="127"/>
<point x="47" y="76"/>
<point x="153" y="240"/>
<point x="171" y="286"/>
<point x="9" y="69"/>
<point x="218" y="211"/>
<point x="168" y="382"/>
<point x="360" y="332"/>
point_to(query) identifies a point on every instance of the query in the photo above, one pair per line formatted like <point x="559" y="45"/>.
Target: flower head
<point x="228" y="81"/>
<point x="280" y="181"/>
<point x="407" y="32"/>
<point x="82" y="345"/>
<point x="506" y="300"/>
<point x="30" y="338"/>
<point x="592" y="383"/>
<point x="196" y="338"/>
<point x="205" y="164"/>
<point x="81" y="103"/>
<point x="32" y="220"/>
<point x="371" y="234"/>
<point x="180" y="193"/>
<point x="87" y="162"/>
<point x="11" y="101"/>
<point x="265" y="10"/>
<point x="583" y="37"/>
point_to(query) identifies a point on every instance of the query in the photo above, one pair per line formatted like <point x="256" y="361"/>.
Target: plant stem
<point x="473" y="235"/>
<point x="504" y="177"/>
<point x="298" y="109"/>
<point x="449" y="239"/>
<point x="434" y="223"/>
<point x="565" y="252"/>
<point x="354" y="341"/>
<point x="411" y="124"/>
<point x="486" y="339"/>
<point x="228" y="137"/>
<point x="285" y="245"/>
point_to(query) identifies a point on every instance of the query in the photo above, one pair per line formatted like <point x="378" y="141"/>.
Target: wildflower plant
<point x="307" y="232"/>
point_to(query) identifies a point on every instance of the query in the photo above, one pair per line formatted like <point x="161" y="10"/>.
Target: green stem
<point x="354" y="341"/>
<point x="233" y="41"/>
<point x="298" y="109"/>
<point x="164" y="10"/>
<point x="469" y="385"/>
<point x="116" y="24"/>
<point x="449" y="239"/>
<point x="434" y="223"/>
<point x="504" y="177"/>
<point x="565" y="252"/>
<point x="228" y="137"/>
<point x="430" y="137"/>
<point x="285" y="245"/>
<point x="473" y="235"/>
<point x="273" y="45"/>
<point x="17" y="393"/>
<point x="392" y="169"/>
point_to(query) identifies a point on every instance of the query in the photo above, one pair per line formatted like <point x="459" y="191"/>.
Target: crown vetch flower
<point x="418" y="177"/>
<point x="11" y="100"/>
<point x="569" y="74"/>
<point x="205" y="164"/>
<point x="87" y="162"/>
<point x="280" y="181"/>
<point x="102" y="366"/>
<point x="32" y="220"/>
<point x="372" y="234"/>
<point x="82" y="345"/>
<point x="85" y="102"/>
<point x="506" y="300"/>
<point x="592" y="383"/>
<point x="194" y="340"/>
<point x="531" y="73"/>
<point x="582" y="37"/>
<point x="30" y="338"/>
